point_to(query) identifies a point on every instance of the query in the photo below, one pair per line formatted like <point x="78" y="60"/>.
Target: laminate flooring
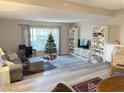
<point x="70" y="70"/>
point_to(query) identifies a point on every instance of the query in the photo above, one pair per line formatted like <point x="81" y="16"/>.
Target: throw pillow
<point x="10" y="64"/>
<point x="2" y="62"/>
<point x="13" y="56"/>
<point x="6" y="55"/>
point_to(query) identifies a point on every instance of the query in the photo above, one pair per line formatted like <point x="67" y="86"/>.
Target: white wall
<point x="116" y="28"/>
<point x="10" y="34"/>
<point x="87" y="27"/>
<point x="85" y="30"/>
<point x="114" y="33"/>
<point x="116" y="25"/>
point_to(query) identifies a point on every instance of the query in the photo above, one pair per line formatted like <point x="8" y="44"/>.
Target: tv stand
<point x="82" y="53"/>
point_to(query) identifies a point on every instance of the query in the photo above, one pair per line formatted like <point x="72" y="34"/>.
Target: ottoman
<point x="35" y="63"/>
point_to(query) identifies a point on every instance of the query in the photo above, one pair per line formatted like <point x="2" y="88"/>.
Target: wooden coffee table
<point x="112" y="84"/>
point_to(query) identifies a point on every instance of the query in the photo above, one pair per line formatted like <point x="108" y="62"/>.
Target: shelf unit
<point x="99" y="40"/>
<point x="73" y="38"/>
<point x="83" y="54"/>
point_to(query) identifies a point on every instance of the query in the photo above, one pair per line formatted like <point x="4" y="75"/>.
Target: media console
<point x="82" y="53"/>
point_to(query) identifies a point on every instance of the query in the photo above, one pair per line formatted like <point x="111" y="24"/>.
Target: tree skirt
<point x="47" y="66"/>
<point x="87" y="86"/>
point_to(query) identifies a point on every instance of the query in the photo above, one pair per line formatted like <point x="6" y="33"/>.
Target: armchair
<point x="15" y="66"/>
<point x="16" y="70"/>
<point x="117" y="60"/>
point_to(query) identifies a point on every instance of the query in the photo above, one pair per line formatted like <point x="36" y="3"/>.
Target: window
<point x="39" y="36"/>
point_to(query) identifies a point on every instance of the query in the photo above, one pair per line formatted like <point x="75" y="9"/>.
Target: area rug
<point x="87" y="86"/>
<point x="47" y="66"/>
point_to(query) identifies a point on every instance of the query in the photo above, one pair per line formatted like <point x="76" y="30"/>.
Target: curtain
<point x="36" y="36"/>
<point x="39" y="36"/>
<point x="26" y="37"/>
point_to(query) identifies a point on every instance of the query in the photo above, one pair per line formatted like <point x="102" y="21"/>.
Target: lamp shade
<point x="1" y="52"/>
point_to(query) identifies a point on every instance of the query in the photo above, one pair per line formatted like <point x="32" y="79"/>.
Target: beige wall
<point x="71" y="6"/>
<point x="10" y="34"/>
<point x="85" y="30"/>
<point x="116" y="31"/>
<point x="122" y="34"/>
<point x="117" y="28"/>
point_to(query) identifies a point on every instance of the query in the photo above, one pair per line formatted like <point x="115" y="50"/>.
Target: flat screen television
<point x="84" y="43"/>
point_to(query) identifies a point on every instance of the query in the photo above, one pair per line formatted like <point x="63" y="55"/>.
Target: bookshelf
<point x="73" y="39"/>
<point x="99" y="40"/>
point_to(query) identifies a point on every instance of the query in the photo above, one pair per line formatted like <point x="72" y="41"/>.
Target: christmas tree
<point x="50" y="47"/>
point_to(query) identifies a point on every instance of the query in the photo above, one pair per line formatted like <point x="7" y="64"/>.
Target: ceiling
<point x="12" y="10"/>
<point x="107" y="4"/>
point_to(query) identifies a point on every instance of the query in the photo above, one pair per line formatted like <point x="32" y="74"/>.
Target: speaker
<point x="22" y="46"/>
<point x="21" y="50"/>
<point x="28" y="51"/>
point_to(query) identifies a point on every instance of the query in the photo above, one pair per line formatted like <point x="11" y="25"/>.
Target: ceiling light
<point x="65" y="4"/>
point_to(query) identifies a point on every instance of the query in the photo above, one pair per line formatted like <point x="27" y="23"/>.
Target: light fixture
<point x="66" y="3"/>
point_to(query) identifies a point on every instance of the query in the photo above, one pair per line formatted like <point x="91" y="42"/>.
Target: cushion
<point x="6" y="55"/>
<point x="10" y="64"/>
<point x="13" y="56"/>
<point x="120" y="51"/>
<point x="3" y="57"/>
<point x="118" y="59"/>
<point x="3" y="62"/>
<point x="62" y="88"/>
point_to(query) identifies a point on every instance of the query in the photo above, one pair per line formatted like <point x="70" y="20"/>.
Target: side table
<point x="112" y="84"/>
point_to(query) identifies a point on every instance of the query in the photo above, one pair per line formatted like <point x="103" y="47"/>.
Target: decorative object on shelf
<point x="50" y="48"/>
<point x="117" y="42"/>
<point x="99" y="40"/>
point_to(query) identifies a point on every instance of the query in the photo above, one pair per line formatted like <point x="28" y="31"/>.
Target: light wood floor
<point x="69" y="69"/>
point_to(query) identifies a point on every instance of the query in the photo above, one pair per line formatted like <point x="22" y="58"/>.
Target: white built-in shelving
<point x="73" y="38"/>
<point x="99" y="40"/>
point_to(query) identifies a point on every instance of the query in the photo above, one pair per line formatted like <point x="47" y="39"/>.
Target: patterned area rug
<point x="47" y="66"/>
<point x="87" y="86"/>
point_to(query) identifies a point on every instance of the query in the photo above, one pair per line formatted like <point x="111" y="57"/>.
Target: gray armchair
<point x="16" y="71"/>
<point x="15" y="68"/>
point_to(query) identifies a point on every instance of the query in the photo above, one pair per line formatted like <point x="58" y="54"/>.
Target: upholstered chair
<point x="117" y="60"/>
<point x="14" y="64"/>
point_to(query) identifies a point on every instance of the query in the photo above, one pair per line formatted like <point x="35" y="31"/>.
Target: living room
<point x="76" y="27"/>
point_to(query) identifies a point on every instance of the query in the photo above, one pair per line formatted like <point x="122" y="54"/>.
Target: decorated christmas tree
<point x="50" y="47"/>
